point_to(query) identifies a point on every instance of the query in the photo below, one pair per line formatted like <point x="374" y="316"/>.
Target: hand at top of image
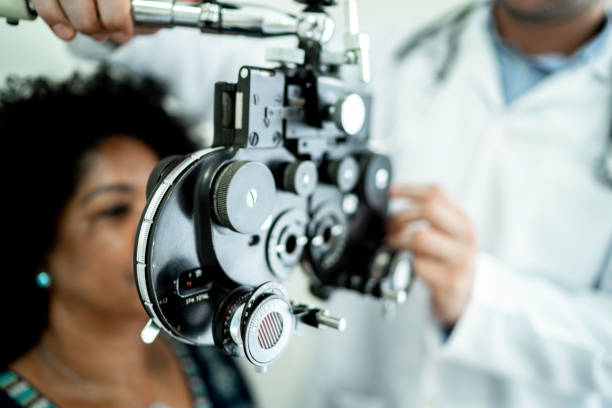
<point x="99" y="19"/>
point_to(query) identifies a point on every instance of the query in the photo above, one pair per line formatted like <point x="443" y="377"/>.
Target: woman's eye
<point x="116" y="211"/>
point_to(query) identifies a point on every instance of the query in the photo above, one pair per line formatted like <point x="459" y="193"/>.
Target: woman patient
<point x="79" y="158"/>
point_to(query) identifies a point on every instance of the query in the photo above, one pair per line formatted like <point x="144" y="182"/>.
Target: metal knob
<point x="393" y="272"/>
<point x="375" y="181"/>
<point x="398" y="278"/>
<point x="344" y="173"/>
<point x="244" y="196"/>
<point x="301" y="178"/>
<point x="268" y="329"/>
<point x="349" y="114"/>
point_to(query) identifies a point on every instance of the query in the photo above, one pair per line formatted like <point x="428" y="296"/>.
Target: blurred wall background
<point x="31" y="49"/>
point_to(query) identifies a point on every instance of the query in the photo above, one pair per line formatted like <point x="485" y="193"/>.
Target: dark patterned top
<point x="214" y="382"/>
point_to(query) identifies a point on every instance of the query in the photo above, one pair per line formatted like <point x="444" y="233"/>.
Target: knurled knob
<point x="375" y="180"/>
<point x="244" y="196"/>
<point x="301" y="178"/>
<point x="344" y="173"/>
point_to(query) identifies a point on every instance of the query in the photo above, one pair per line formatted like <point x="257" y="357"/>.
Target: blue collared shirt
<point x="521" y="72"/>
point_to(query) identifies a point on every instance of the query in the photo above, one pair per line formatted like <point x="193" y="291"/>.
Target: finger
<point x="410" y="191"/>
<point x="116" y="16"/>
<point x="51" y="12"/>
<point x="400" y="221"/>
<point x="440" y="215"/>
<point x="439" y="209"/>
<point x="429" y="242"/>
<point x="432" y="271"/>
<point x="145" y="30"/>
<point x="83" y="15"/>
<point x="420" y="194"/>
<point x="392" y="227"/>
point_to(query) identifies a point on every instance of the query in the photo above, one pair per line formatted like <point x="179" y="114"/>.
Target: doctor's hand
<point x="100" y="19"/>
<point x="443" y="242"/>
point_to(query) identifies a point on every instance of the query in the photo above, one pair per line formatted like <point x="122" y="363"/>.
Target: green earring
<point x="43" y="280"/>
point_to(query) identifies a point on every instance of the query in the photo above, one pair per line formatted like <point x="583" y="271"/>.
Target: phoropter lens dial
<point x="328" y="236"/>
<point x="286" y="241"/>
<point x="268" y="329"/>
<point x="256" y="323"/>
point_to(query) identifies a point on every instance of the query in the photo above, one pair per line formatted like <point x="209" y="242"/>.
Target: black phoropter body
<point x="289" y="181"/>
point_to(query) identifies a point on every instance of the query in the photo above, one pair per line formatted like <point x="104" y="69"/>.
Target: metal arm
<point x="15" y="10"/>
<point x="242" y="19"/>
<point x="248" y="20"/>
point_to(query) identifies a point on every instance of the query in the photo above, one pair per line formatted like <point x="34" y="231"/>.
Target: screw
<point x="382" y="179"/>
<point x="251" y="198"/>
<point x="253" y="139"/>
<point x="276" y="138"/>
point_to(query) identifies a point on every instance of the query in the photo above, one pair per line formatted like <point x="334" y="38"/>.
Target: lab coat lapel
<point x="583" y="92"/>
<point x="478" y="62"/>
<point x="574" y="86"/>
<point x="459" y="113"/>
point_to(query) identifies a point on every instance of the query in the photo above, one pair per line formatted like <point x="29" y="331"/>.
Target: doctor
<point x="497" y="122"/>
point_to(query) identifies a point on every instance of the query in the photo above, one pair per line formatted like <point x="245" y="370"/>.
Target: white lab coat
<point x="536" y="333"/>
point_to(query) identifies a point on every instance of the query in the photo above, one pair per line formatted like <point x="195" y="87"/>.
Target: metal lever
<point x="226" y="18"/>
<point x="15" y="10"/>
<point x="335" y="323"/>
<point x="150" y="332"/>
<point x="317" y="318"/>
<point x="357" y="45"/>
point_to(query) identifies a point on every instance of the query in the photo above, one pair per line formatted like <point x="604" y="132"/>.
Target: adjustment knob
<point x="244" y="196"/>
<point x="344" y="173"/>
<point x="286" y="242"/>
<point x="375" y="181"/>
<point x="268" y="330"/>
<point x="227" y="322"/>
<point x="301" y="178"/>
<point x="394" y="270"/>
<point x="267" y="324"/>
<point x="349" y="114"/>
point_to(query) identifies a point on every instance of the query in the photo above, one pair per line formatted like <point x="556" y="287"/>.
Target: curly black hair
<point x="48" y="127"/>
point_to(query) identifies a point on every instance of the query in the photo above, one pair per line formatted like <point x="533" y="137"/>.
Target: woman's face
<point x="91" y="263"/>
